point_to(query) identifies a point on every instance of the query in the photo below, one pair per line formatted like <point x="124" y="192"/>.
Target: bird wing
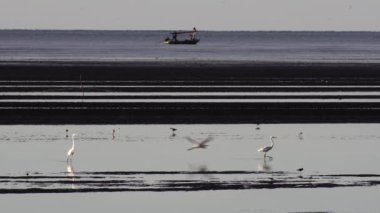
<point x="191" y="148"/>
<point x="191" y="140"/>
<point x="206" y="141"/>
<point x="263" y="149"/>
<point x="266" y="149"/>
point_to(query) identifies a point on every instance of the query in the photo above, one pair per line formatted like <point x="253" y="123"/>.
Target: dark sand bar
<point x="186" y="76"/>
<point x="186" y="70"/>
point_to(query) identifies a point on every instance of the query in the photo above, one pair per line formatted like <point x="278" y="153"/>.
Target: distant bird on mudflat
<point x="300" y="171"/>
<point x="173" y="131"/>
<point x="199" y="145"/>
<point x="258" y="127"/>
<point x="300" y="135"/>
<point x="266" y="149"/>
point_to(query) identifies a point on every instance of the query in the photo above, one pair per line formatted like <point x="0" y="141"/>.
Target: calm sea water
<point x="147" y="45"/>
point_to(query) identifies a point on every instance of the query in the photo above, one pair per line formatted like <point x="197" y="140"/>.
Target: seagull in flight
<point x="198" y="145"/>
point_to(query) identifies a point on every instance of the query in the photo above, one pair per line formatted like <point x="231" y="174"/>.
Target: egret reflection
<point x="70" y="170"/>
<point x="71" y="173"/>
<point x="264" y="166"/>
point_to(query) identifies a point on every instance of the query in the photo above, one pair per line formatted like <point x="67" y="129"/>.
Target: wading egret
<point x="200" y="145"/>
<point x="266" y="149"/>
<point x="70" y="153"/>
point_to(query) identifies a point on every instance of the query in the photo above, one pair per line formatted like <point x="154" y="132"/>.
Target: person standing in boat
<point x="174" y="34"/>
<point x="193" y="34"/>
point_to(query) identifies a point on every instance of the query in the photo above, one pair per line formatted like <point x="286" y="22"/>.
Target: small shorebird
<point x="266" y="149"/>
<point x="200" y="145"/>
<point x="173" y="131"/>
<point x="258" y="127"/>
<point x="300" y="135"/>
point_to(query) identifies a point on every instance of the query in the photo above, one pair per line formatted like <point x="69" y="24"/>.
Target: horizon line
<point x="206" y="30"/>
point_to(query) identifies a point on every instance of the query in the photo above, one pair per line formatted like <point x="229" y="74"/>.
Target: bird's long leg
<point x="265" y="155"/>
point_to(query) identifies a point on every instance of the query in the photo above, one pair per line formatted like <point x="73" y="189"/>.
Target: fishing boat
<point x="173" y="40"/>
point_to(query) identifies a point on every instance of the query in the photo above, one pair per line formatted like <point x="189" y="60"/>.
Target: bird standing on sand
<point x="300" y="135"/>
<point x="200" y="145"/>
<point x="173" y="131"/>
<point x="266" y="149"/>
<point x="70" y="153"/>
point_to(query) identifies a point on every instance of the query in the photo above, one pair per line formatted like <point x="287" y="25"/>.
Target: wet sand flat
<point x="136" y="160"/>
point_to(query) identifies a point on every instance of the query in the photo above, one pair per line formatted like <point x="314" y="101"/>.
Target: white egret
<point x="266" y="149"/>
<point x="70" y="153"/>
<point x="200" y="145"/>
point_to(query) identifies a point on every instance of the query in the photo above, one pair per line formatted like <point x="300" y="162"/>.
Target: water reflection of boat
<point x="186" y="41"/>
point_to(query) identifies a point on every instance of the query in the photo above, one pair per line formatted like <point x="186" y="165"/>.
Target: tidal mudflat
<point x="338" y="163"/>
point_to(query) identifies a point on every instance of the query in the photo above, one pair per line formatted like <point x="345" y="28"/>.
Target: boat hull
<point x="187" y="41"/>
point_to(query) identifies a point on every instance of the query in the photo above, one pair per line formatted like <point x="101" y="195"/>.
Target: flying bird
<point x="266" y="149"/>
<point x="198" y="145"/>
<point x="71" y="151"/>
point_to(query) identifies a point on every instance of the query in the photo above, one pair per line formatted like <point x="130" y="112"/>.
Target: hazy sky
<point x="184" y="14"/>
